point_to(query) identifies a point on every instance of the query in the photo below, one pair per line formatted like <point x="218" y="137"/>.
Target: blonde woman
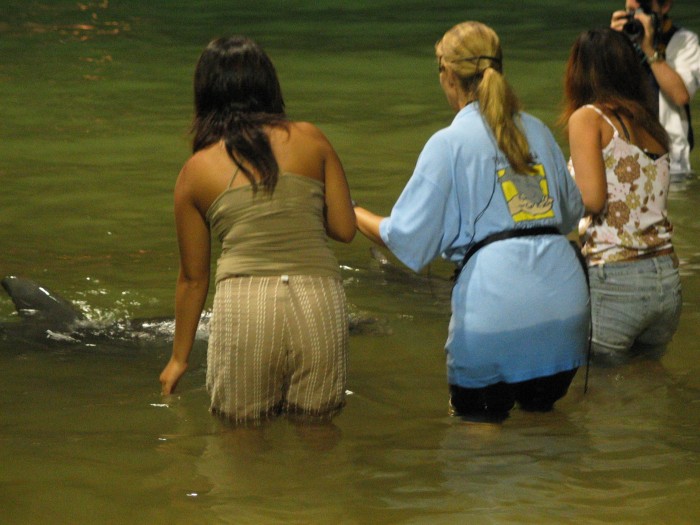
<point x="491" y="193"/>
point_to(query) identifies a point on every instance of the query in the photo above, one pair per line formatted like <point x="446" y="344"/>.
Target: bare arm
<point x="368" y="224"/>
<point x="340" y="216"/>
<point x="193" y="279"/>
<point x="670" y="82"/>
<point x="585" y="144"/>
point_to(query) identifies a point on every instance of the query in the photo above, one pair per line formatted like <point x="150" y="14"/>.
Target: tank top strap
<point x="235" y="174"/>
<point x="624" y="128"/>
<point x="605" y="118"/>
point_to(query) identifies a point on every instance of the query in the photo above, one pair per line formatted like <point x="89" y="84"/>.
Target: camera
<point x="634" y="28"/>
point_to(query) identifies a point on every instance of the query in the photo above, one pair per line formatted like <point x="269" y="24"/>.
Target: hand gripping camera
<point x="634" y="29"/>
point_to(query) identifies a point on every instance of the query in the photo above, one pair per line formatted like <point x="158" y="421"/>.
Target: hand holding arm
<point x="368" y="224"/>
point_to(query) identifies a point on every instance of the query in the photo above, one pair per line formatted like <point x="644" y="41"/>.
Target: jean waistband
<point x="657" y="264"/>
<point x="648" y="255"/>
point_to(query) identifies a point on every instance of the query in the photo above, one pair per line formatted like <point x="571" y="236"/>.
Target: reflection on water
<point x="94" y="129"/>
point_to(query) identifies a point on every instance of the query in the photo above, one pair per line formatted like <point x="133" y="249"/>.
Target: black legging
<point x="493" y="402"/>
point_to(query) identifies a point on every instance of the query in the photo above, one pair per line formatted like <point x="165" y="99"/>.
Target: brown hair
<point x="237" y="94"/>
<point x="604" y="69"/>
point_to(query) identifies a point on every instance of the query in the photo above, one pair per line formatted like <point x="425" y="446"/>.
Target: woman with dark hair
<point x="271" y="191"/>
<point x="491" y="193"/>
<point x="619" y="157"/>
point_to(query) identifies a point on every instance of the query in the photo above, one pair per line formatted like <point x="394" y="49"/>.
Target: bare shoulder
<point x="585" y="116"/>
<point x="204" y="176"/>
<point x="192" y="164"/>
<point x="308" y="132"/>
<point x="305" y="128"/>
<point x="301" y="147"/>
<point x="211" y="162"/>
<point x="192" y="170"/>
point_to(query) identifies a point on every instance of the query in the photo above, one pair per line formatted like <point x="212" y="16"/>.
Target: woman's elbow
<point x="193" y="279"/>
<point x="342" y="228"/>
<point x="345" y="235"/>
<point x="682" y="98"/>
<point x="594" y="198"/>
<point x="594" y="206"/>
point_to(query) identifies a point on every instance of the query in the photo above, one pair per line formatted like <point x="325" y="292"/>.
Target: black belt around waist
<point x="500" y="236"/>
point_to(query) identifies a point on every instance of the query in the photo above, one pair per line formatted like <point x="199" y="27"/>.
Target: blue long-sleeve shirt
<point x="519" y="308"/>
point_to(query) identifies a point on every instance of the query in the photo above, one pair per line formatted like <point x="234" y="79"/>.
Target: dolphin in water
<point x="426" y="287"/>
<point x="47" y="317"/>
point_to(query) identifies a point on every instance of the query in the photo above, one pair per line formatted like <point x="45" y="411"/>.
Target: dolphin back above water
<point x="34" y="301"/>
<point x="47" y="317"/>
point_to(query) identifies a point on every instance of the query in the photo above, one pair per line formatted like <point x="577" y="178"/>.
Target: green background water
<point x="95" y="101"/>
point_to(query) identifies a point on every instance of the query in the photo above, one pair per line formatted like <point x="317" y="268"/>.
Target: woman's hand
<point x="170" y="375"/>
<point x="368" y="224"/>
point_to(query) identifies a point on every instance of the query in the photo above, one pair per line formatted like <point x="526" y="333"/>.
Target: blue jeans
<point x="636" y="307"/>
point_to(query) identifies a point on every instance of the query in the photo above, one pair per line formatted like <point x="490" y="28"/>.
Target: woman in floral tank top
<point x="619" y="157"/>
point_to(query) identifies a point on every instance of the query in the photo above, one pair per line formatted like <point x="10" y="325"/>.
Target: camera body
<point x="634" y="28"/>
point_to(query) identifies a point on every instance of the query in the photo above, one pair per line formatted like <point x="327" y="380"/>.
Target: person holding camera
<point x="671" y="57"/>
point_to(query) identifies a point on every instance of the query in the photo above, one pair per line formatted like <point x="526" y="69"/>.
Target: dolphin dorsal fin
<point x="34" y="300"/>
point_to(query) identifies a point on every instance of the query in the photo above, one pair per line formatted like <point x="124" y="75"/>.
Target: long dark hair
<point x="604" y="69"/>
<point x="236" y="94"/>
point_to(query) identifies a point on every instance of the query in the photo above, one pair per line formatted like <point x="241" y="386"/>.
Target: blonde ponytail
<point x="472" y="51"/>
<point x="500" y="107"/>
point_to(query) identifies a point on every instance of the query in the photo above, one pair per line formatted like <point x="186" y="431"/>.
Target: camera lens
<point x="633" y="28"/>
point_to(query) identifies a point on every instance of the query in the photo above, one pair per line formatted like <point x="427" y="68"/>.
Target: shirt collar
<point x="472" y="107"/>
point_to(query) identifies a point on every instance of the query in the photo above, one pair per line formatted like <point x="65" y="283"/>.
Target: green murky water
<point x="95" y="107"/>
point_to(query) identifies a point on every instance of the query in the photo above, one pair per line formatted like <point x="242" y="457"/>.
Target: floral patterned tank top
<point x="634" y="221"/>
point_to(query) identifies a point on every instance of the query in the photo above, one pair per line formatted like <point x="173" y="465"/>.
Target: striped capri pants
<point x="277" y="344"/>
